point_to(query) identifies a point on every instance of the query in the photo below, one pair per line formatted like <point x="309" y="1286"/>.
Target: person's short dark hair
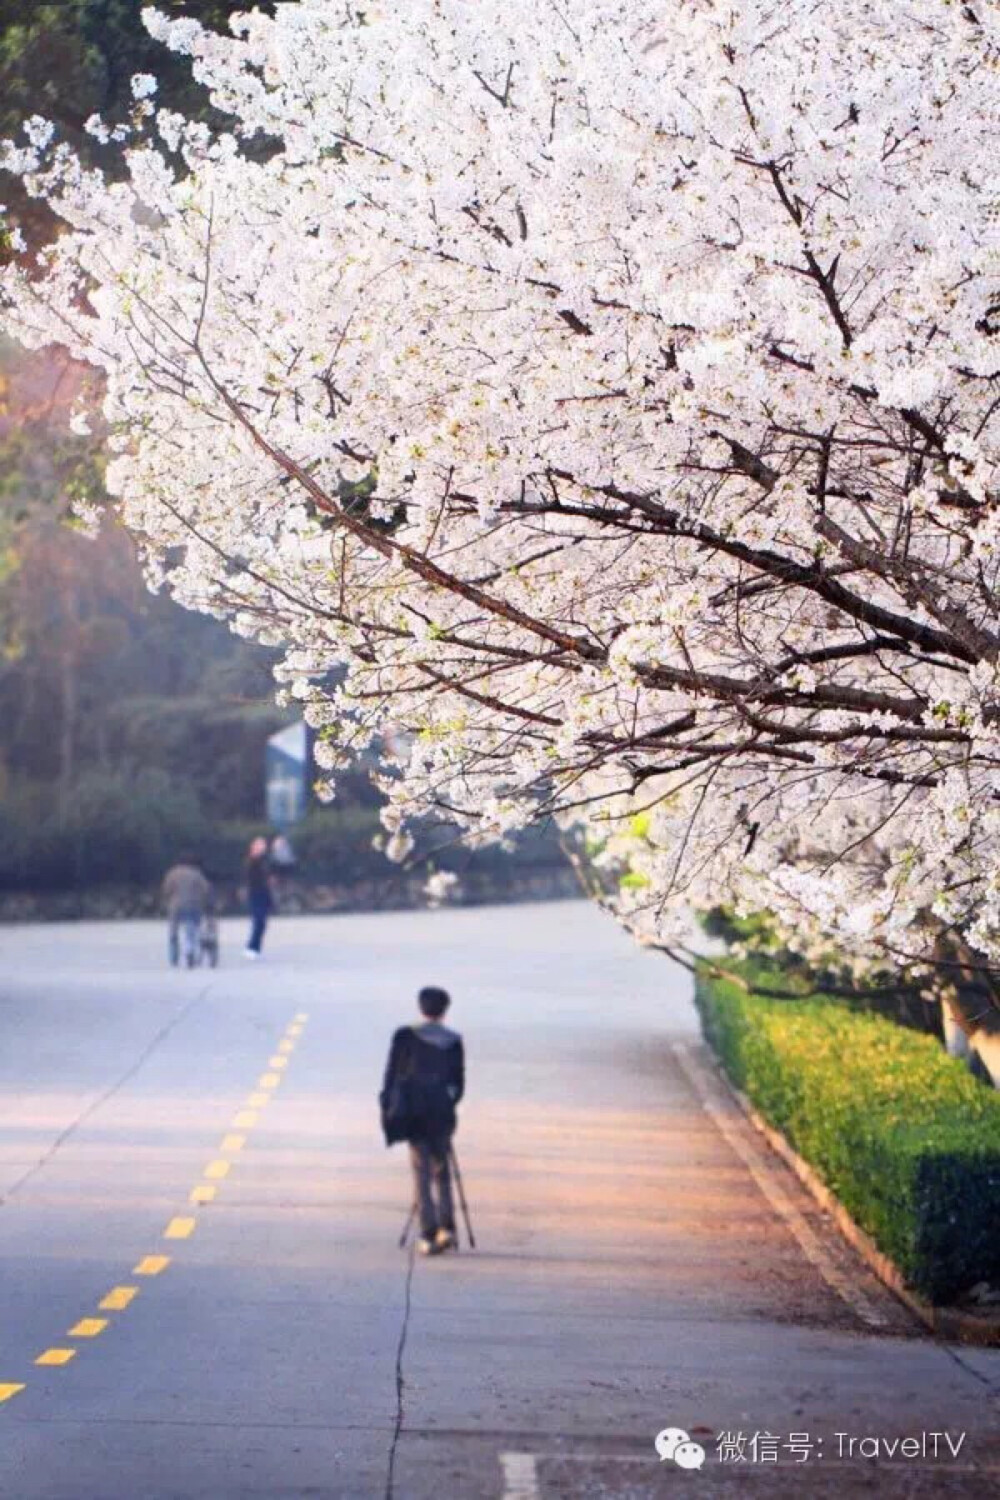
<point x="433" y="1002"/>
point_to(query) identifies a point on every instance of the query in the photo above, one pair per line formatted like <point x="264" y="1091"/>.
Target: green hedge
<point x="904" y="1136"/>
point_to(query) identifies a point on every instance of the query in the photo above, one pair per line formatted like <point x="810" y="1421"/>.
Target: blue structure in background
<point x="285" y="776"/>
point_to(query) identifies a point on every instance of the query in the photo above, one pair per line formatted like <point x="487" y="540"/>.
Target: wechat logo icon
<point x="675" y="1443"/>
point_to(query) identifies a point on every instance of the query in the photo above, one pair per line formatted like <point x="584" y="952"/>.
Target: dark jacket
<point x="258" y="876"/>
<point x="424" y="1080"/>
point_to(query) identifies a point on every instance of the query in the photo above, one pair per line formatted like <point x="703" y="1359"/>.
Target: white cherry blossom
<point x="612" y="387"/>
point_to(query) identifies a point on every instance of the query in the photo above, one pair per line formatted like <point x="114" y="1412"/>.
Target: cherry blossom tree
<point x="614" y="387"/>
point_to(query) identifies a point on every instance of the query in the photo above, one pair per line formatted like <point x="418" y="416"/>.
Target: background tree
<point x="99" y="679"/>
<point x="128" y="722"/>
<point x="70" y="59"/>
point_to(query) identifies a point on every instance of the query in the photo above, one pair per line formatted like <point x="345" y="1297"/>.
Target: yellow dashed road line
<point x="87" y="1328"/>
<point x="181" y="1227"/>
<point x="118" y="1298"/>
<point x="151" y="1265"/>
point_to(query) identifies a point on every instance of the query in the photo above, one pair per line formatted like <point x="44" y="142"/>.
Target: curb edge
<point x="949" y="1323"/>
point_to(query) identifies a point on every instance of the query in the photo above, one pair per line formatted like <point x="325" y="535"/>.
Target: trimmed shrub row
<point x="900" y="1132"/>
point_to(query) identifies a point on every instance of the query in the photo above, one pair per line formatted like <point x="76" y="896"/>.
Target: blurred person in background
<point x="283" y="863"/>
<point x="186" y="896"/>
<point x="283" y="859"/>
<point x="260" y="894"/>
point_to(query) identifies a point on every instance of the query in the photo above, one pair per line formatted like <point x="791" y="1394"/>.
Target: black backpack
<point x="418" y="1103"/>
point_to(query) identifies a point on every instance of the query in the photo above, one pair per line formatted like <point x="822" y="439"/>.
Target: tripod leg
<point x="406" y="1227"/>
<point x="461" y="1198"/>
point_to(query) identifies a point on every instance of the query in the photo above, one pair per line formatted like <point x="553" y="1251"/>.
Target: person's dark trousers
<point x="260" y="907"/>
<point x="432" y="1183"/>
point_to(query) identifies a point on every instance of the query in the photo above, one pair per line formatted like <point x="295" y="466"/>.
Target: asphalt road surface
<point x="201" y="1293"/>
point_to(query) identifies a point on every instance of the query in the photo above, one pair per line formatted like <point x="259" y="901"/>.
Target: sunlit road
<point x="201" y="1294"/>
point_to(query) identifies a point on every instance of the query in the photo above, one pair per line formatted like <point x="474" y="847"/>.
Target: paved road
<point x="643" y="1262"/>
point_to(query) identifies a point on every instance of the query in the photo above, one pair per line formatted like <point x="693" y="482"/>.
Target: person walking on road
<point x="185" y="895"/>
<point x="260" y="894"/>
<point x="424" y="1081"/>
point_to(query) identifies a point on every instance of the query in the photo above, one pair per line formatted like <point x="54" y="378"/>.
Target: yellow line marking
<point x="119" y="1297"/>
<point x="87" y="1328"/>
<point x="179" y="1229"/>
<point x="151" y="1265"/>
